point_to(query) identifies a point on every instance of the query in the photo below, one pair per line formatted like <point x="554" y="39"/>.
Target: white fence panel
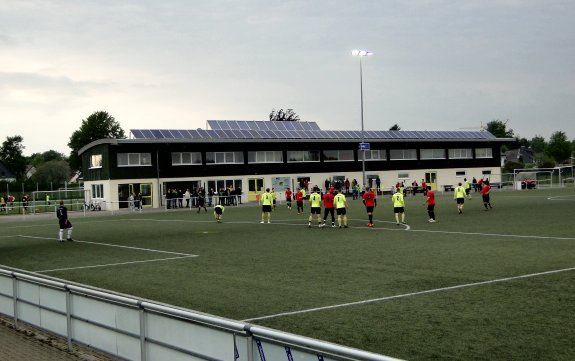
<point x="197" y="339"/>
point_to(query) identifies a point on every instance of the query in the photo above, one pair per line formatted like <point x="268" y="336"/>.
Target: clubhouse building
<point x="254" y="155"/>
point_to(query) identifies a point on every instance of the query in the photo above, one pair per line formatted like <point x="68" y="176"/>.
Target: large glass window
<point x="432" y="153"/>
<point x="303" y="156"/>
<point x="374" y="154"/>
<point x="463" y="153"/>
<point x="266" y="157"/>
<point x="224" y="157"/>
<point x="96" y="161"/>
<point x="338" y="155"/>
<point x="186" y="158"/>
<point x="134" y="159"/>
<point x="483" y="153"/>
<point x="403" y="154"/>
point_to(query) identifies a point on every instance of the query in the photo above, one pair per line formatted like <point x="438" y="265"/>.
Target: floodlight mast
<point x="361" y="54"/>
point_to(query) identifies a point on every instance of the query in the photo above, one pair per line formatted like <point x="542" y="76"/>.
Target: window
<point x="403" y="154"/>
<point x="337" y="155"/>
<point x="303" y="156"/>
<point x="97" y="191"/>
<point x="96" y="161"/>
<point x="224" y="158"/>
<point x="486" y="173"/>
<point x="374" y="154"/>
<point x="432" y="153"/>
<point x="134" y="159"/>
<point x="460" y="154"/>
<point x="483" y="153"/>
<point x="402" y="175"/>
<point x="460" y="173"/>
<point x="266" y="157"/>
<point x="186" y="158"/>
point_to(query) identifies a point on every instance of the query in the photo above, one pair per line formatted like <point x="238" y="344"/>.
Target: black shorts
<point x="340" y="211"/>
<point x="369" y="209"/>
<point x="460" y="200"/>
<point x="64" y="224"/>
<point x="266" y="208"/>
<point x="218" y="210"/>
<point x="300" y="204"/>
<point x="315" y="210"/>
<point x="467" y="190"/>
<point x="430" y="207"/>
<point x="398" y="209"/>
<point x="486" y="198"/>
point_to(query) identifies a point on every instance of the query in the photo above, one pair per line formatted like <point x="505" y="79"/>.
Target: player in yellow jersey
<point x="340" y="208"/>
<point x="267" y="201"/>
<point x="398" y="205"/>
<point x="218" y="212"/>
<point x="459" y="196"/>
<point x="315" y="206"/>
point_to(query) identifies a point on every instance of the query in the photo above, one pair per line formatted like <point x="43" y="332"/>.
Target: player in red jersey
<point x="370" y="203"/>
<point x="299" y="201"/>
<point x="328" y="208"/>
<point x="485" y="190"/>
<point x="430" y="201"/>
<point x="288" y="197"/>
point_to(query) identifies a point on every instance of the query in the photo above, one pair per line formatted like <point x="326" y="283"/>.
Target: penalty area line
<point x="411" y="294"/>
<point x="113" y="264"/>
<point x="118" y="246"/>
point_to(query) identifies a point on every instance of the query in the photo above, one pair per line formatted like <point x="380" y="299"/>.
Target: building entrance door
<point x="255" y="186"/>
<point x="431" y="180"/>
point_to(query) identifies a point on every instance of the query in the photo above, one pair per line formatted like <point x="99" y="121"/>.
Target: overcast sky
<point x="437" y="64"/>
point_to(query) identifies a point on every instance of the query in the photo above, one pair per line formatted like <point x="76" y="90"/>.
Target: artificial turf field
<point x="484" y="285"/>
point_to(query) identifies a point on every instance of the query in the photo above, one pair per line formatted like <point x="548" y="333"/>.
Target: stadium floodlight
<point x="361" y="54"/>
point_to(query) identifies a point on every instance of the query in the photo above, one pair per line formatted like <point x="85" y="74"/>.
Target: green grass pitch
<point x="484" y="285"/>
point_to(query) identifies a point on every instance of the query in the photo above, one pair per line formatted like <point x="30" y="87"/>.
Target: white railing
<point x="135" y="329"/>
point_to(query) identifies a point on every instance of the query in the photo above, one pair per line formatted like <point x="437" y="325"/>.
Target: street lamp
<point x="361" y="54"/>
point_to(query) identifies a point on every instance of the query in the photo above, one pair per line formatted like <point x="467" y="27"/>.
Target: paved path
<point x="28" y="344"/>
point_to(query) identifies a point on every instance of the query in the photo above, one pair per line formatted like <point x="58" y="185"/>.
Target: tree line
<point x="557" y="150"/>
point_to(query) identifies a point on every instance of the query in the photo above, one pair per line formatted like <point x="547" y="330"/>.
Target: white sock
<point x="60" y="234"/>
<point x="70" y="232"/>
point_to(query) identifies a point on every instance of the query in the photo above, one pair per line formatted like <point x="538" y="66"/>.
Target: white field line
<point x="405" y="295"/>
<point x="113" y="264"/>
<point x="562" y="198"/>
<point x="118" y="246"/>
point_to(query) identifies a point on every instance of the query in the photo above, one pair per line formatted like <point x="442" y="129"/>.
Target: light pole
<point x="361" y="54"/>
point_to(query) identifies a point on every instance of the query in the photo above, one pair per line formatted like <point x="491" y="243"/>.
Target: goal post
<point x="47" y="201"/>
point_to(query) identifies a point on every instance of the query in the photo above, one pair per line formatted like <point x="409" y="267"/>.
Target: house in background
<point x="5" y="174"/>
<point x="522" y="154"/>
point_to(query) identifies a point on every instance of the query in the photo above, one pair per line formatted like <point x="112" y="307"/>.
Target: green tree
<point x="11" y="155"/>
<point x="511" y="165"/>
<point x="99" y="125"/>
<point x="538" y="144"/>
<point x="283" y="116"/>
<point x="559" y="148"/>
<point x="499" y="129"/>
<point x="38" y="158"/>
<point x="54" y="171"/>
<point x="395" y="127"/>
